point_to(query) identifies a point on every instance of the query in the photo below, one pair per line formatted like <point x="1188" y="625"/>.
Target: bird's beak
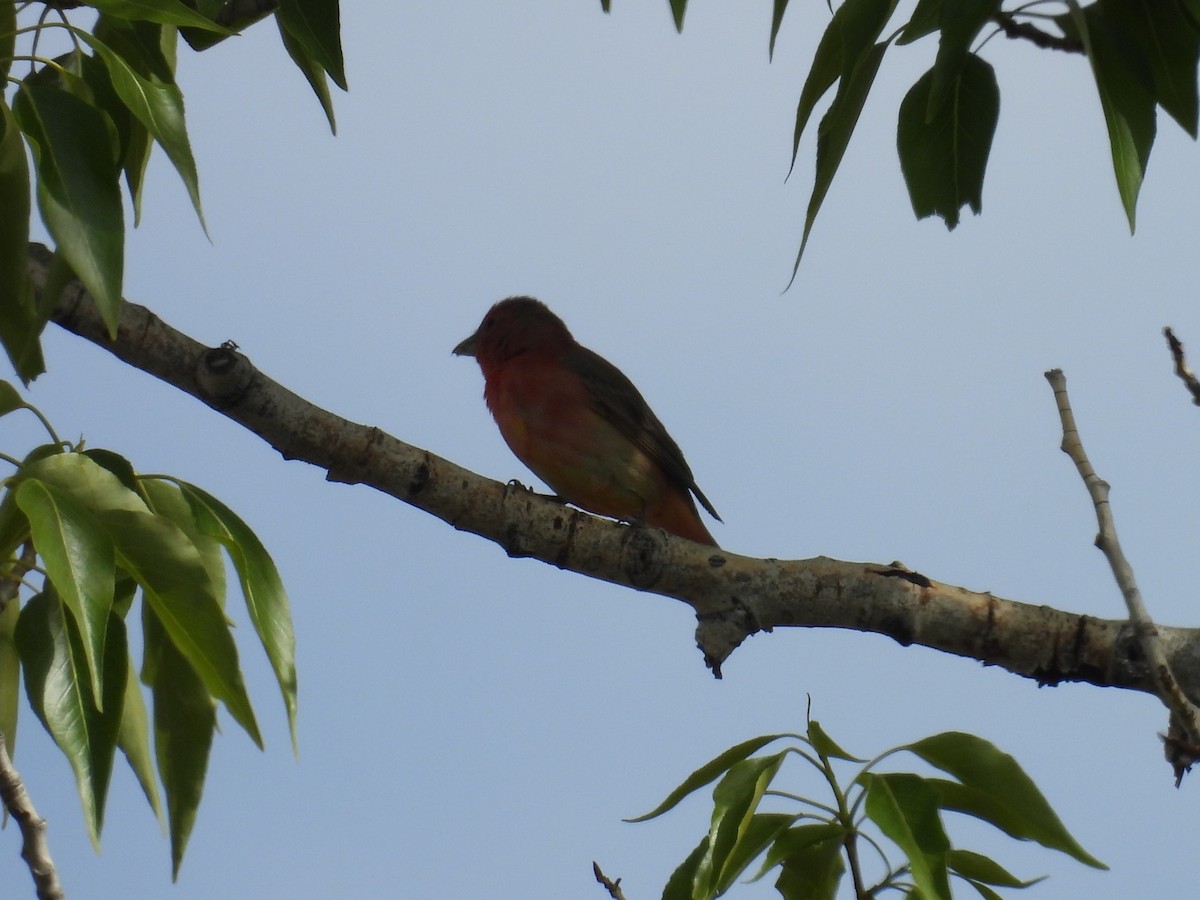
<point x="467" y="347"/>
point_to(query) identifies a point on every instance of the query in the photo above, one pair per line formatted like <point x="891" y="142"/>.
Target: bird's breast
<point x="547" y="418"/>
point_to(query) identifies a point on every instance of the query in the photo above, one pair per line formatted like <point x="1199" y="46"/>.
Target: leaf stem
<point x="846" y="818"/>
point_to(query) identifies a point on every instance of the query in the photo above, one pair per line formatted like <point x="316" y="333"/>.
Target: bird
<point x="579" y="423"/>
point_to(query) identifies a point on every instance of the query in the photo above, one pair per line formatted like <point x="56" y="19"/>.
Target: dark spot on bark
<point x="419" y="480"/>
<point x="908" y="575"/>
<point x="899" y="628"/>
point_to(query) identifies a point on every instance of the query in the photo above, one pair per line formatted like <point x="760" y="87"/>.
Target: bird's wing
<point x="614" y="397"/>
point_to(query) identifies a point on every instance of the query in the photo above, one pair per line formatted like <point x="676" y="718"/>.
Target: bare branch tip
<point x="612" y="886"/>
<point x="1181" y="367"/>
<point x="35" y="850"/>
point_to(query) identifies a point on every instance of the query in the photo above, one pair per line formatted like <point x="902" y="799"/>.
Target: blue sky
<point x="472" y="725"/>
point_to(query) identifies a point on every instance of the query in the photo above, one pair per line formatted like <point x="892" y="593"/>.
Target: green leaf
<point x="983" y="890"/>
<point x="708" y="772"/>
<point x="926" y="19"/>
<point x="812" y="872"/>
<point x="79" y="562"/>
<point x="862" y="21"/>
<point x="978" y="867"/>
<point x="681" y="884"/>
<point x="776" y="21"/>
<point x="150" y="49"/>
<point x="847" y="40"/>
<point x="176" y="585"/>
<point x="1003" y="813"/>
<point x="58" y="276"/>
<point x="759" y="832"/>
<point x="164" y="12"/>
<point x="19" y="324"/>
<point x="159" y="108"/>
<point x="147" y="47"/>
<point x="63" y="73"/>
<point x="8" y="38"/>
<point x="905" y="807"/>
<point x="735" y="799"/>
<point x="60" y="693"/>
<point x="10" y="400"/>
<point x="166" y="499"/>
<point x="826" y="68"/>
<point x="996" y="789"/>
<point x="961" y="22"/>
<point x="825" y="745"/>
<point x="266" y="600"/>
<point x="88" y="482"/>
<point x="678" y="8"/>
<point x="14" y="527"/>
<point x="1127" y="102"/>
<point x="236" y="17"/>
<point x="944" y="159"/>
<point x="184" y="722"/>
<point x="10" y="673"/>
<point x="834" y="132"/>
<point x="133" y="738"/>
<point x="102" y="95"/>
<point x="123" y="595"/>
<point x="316" y="26"/>
<point x="116" y="464"/>
<point x="78" y="193"/>
<point x="312" y="70"/>
<point x="134" y="164"/>
<point x="794" y="840"/>
<point x="1161" y="33"/>
<point x="134" y="741"/>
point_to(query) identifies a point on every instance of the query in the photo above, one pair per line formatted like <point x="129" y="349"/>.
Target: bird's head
<point x="514" y="326"/>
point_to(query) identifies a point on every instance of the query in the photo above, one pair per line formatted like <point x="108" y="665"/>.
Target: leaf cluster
<point x="98" y="534"/>
<point x="811" y="844"/>
<point x="1143" y="55"/>
<point x="90" y="118"/>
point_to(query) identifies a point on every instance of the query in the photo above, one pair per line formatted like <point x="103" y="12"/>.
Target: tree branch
<point x="35" y="850"/>
<point x="613" y="887"/>
<point x="1181" y="367"/>
<point x="1183" y="713"/>
<point x="733" y="596"/>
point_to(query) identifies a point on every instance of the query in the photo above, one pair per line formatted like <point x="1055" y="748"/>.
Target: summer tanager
<point x="582" y="427"/>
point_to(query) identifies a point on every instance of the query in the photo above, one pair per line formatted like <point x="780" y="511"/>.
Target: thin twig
<point x="614" y="887"/>
<point x="1181" y="366"/>
<point x="1183" y="712"/>
<point x="850" y="843"/>
<point x="1029" y="32"/>
<point x="35" y="851"/>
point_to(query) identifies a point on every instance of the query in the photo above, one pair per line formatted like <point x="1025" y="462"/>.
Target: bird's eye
<point x="488" y="322"/>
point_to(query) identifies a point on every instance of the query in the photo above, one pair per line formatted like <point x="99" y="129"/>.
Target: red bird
<point x="582" y="427"/>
